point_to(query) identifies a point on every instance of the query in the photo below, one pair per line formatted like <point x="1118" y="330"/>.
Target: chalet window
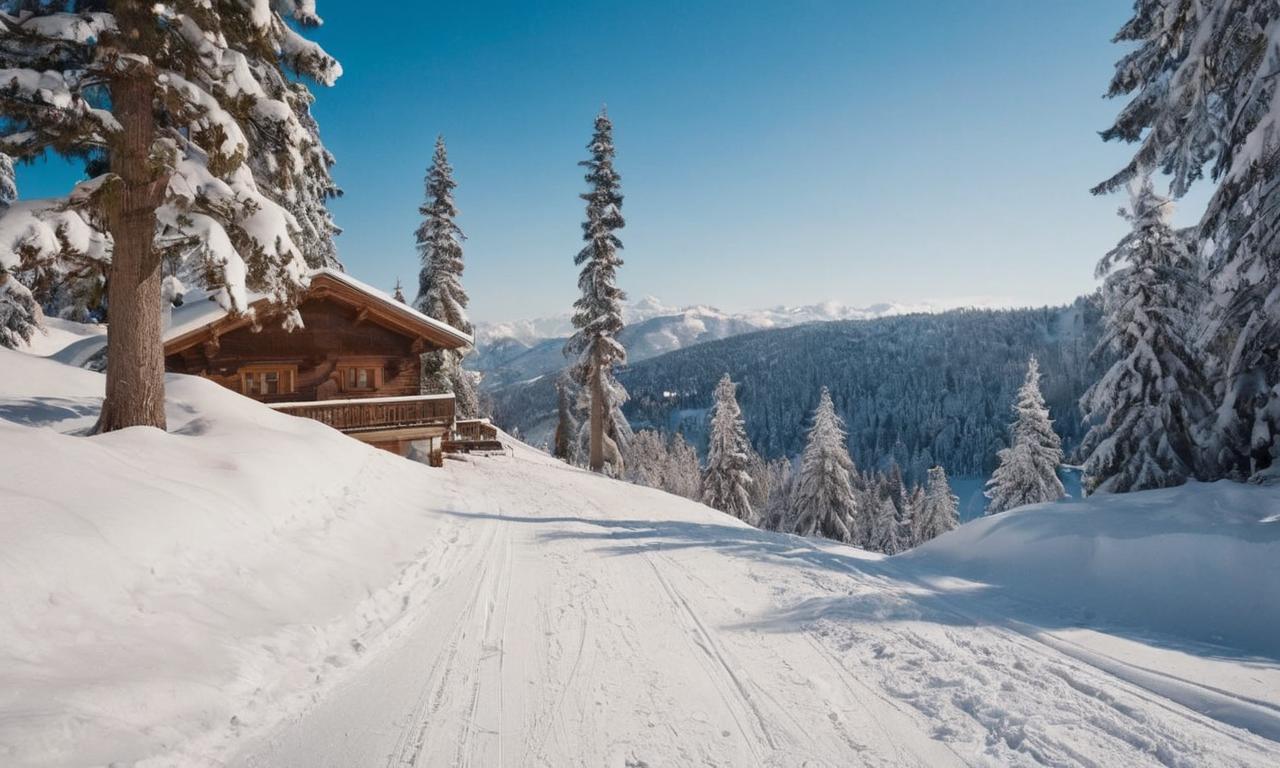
<point x="266" y="380"/>
<point x="357" y="378"/>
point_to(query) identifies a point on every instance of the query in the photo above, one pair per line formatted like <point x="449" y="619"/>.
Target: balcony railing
<point x="376" y="413"/>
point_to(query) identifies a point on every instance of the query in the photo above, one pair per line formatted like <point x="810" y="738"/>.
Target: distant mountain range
<point x="522" y="350"/>
<point x="917" y="390"/>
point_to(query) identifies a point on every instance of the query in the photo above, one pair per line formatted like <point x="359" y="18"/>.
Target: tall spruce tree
<point x="1144" y="409"/>
<point x="1203" y="93"/>
<point x="727" y="482"/>
<point x="440" y="292"/>
<point x="939" y="510"/>
<point x="165" y="103"/>
<point x="823" y="495"/>
<point x="1028" y="470"/>
<point x="597" y="315"/>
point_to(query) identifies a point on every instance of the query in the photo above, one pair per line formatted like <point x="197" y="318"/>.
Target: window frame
<point x="353" y="367"/>
<point x="286" y="377"/>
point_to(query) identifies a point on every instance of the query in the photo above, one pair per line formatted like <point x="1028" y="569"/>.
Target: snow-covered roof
<point x="392" y="303"/>
<point x="200" y="310"/>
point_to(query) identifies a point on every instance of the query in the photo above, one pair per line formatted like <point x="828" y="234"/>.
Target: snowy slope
<point x="256" y="590"/>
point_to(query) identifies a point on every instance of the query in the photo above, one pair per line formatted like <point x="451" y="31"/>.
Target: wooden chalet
<point x="355" y="364"/>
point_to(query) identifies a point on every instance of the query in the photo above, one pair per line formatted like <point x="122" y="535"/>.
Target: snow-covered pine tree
<point x="19" y="315"/>
<point x="916" y="504"/>
<point x="597" y="315"/>
<point x="440" y="293"/>
<point x="885" y="534"/>
<point x="1028" y="470"/>
<point x="566" y="437"/>
<point x="684" y="476"/>
<point x="399" y="293"/>
<point x="647" y="459"/>
<point x="1204" y="93"/>
<point x="777" y="513"/>
<point x="160" y="100"/>
<point x="939" y="508"/>
<point x="1144" y="409"/>
<point x="726" y="482"/>
<point x="8" y="181"/>
<point x="309" y="203"/>
<point x="823" y="495"/>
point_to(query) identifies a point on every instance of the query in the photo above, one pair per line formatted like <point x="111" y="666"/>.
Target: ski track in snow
<point x="625" y="640"/>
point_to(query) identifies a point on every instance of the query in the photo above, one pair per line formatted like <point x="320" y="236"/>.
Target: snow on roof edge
<point x="363" y="287"/>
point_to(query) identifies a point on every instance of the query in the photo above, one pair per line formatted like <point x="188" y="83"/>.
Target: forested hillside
<point x="916" y="389"/>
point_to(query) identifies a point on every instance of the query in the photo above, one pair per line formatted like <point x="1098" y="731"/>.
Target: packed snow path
<point x="576" y="621"/>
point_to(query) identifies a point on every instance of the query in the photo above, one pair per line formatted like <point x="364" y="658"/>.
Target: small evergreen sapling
<point x="823" y="497"/>
<point x="939" y="507"/>
<point x="1028" y="469"/>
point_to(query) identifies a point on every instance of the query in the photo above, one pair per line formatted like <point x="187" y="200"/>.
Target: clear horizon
<point x="855" y="153"/>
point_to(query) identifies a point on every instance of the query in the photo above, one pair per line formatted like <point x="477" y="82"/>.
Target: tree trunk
<point x="135" y="350"/>
<point x="597" y="419"/>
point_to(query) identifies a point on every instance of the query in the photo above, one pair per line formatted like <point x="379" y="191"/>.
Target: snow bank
<point x="159" y="587"/>
<point x="176" y="597"/>
<point x="1200" y="562"/>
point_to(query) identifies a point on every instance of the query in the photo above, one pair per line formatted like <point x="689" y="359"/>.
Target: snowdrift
<point x="175" y="594"/>
<point x="162" y="586"/>
<point x="1200" y="562"/>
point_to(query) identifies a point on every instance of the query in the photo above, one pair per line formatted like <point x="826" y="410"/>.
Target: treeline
<point x="824" y="494"/>
<point x="916" y="391"/>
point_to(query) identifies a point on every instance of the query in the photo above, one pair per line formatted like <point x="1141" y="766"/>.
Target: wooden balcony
<point x="376" y="413"/>
<point x="392" y="423"/>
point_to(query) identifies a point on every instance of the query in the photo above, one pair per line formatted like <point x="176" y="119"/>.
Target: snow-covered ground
<point x="252" y="589"/>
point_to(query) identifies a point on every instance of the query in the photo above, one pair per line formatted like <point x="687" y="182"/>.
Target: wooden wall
<point x="331" y="336"/>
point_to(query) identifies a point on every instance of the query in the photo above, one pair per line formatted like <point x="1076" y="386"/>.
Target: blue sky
<point x="771" y="152"/>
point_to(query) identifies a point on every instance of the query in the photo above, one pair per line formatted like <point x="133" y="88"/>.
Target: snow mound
<point x="162" y="587"/>
<point x="1193" y="561"/>
<point x="253" y="589"/>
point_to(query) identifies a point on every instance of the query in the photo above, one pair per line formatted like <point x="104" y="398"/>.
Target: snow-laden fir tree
<point x="398" y="295"/>
<point x="165" y="103"/>
<point x="597" y="314"/>
<point x="939" y="508"/>
<point x="8" y="181"/>
<point x="566" y="435"/>
<point x="778" y="508"/>
<point x="440" y="293"/>
<point x="727" y="482"/>
<point x="1144" y="410"/>
<point x="684" y="475"/>
<point x="1204" y="94"/>
<point x="915" y="501"/>
<point x="19" y="315"/>
<point x="647" y="459"/>
<point x="670" y="465"/>
<point x="1028" y="469"/>
<point x="886" y="532"/>
<point x="823" y="495"/>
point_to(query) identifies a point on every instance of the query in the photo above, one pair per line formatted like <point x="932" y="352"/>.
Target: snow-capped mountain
<point x="531" y="331"/>
<point x="521" y="350"/>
